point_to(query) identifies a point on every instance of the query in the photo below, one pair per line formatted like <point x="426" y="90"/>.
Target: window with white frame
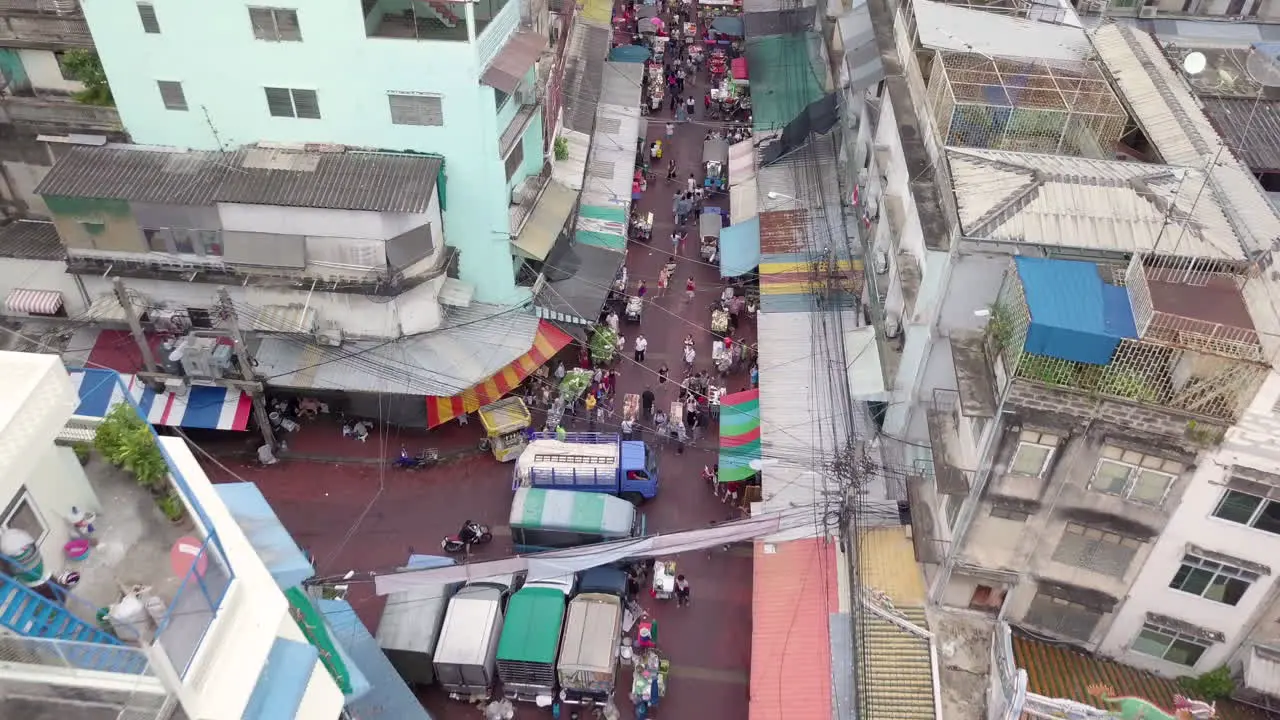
<point x="1134" y="476"/>
<point x="1168" y="644"/>
<point x="1252" y="510"/>
<point x="1101" y="551"/>
<point x="22" y="514"/>
<point x="275" y="24"/>
<point x="1212" y="580"/>
<point x="293" y="103"/>
<point x="1035" y="450"/>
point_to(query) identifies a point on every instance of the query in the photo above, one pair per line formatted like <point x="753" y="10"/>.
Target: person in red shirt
<point x="689" y="288"/>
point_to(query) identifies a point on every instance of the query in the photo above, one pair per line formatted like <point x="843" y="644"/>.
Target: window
<point x="1034" y="451"/>
<point x="184" y="242"/>
<point x="171" y="95"/>
<point x="499" y="99"/>
<point x="416" y="109"/>
<point x="293" y="103"/>
<point x="1212" y="580"/>
<point x="1168" y="644"/>
<point x="515" y="160"/>
<point x="1007" y="513"/>
<point x="1134" y="476"/>
<point x="1098" y="550"/>
<point x="275" y="24"/>
<point x="1251" y="510"/>
<point x="150" y="23"/>
<point x="23" y="515"/>
<point x="1051" y="610"/>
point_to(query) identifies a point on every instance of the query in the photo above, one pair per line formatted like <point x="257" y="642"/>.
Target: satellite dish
<point x="1194" y="63"/>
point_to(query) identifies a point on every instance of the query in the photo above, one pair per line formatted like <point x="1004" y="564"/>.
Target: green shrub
<point x="84" y="66"/>
<point x="1217" y="684"/>
<point x="561" y="149"/>
<point x="126" y="441"/>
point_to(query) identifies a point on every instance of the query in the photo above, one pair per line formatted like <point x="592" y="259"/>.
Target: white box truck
<point x="465" y="654"/>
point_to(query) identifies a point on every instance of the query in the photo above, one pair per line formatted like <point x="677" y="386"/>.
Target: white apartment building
<point x="217" y="642"/>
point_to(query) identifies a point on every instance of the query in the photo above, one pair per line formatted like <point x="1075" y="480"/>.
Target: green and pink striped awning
<point x="739" y="435"/>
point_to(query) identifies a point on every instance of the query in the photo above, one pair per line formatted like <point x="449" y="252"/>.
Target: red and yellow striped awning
<point x="546" y="343"/>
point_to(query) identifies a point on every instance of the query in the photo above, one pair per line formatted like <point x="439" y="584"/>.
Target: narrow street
<point x="351" y="514"/>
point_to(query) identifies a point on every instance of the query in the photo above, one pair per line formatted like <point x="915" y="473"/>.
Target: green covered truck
<point x="530" y="639"/>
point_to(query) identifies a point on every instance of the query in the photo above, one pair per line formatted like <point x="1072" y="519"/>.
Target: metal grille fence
<point x="146" y="699"/>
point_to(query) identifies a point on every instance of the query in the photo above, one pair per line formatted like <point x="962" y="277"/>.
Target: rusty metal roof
<point x="371" y="181"/>
<point x="1251" y="129"/>
<point x="794" y="593"/>
<point x="784" y="232"/>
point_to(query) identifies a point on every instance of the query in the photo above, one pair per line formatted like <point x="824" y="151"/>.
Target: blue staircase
<point x="27" y="613"/>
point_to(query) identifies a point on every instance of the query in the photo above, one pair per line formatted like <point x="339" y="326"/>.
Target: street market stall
<point x="715" y="163"/>
<point x="709" y="226"/>
<point x="505" y="423"/>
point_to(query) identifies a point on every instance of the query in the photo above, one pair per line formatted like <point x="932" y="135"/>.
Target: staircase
<point x="444" y="13"/>
<point x="26" y="613"/>
<point x="899" y="685"/>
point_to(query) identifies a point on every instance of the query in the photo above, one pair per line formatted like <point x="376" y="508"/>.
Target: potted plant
<point x="171" y="506"/>
<point x="125" y="440"/>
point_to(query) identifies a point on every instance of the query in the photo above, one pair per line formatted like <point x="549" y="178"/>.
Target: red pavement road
<point x="322" y="503"/>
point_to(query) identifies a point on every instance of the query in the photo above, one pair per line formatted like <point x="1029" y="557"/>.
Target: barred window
<point x="1098" y="550"/>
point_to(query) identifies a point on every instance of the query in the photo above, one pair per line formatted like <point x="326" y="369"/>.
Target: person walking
<point x="591" y="412"/>
<point x="646" y="402"/>
<point x="675" y="239"/>
<point x="689" y="104"/>
<point x="671" y="131"/>
<point x="642" y="290"/>
<point x="691" y="182"/>
<point x="682" y="591"/>
<point x="640" y="346"/>
<point x="690" y="287"/>
<point x="664" y="279"/>
<point x="671" y="169"/>
<point x="690" y="355"/>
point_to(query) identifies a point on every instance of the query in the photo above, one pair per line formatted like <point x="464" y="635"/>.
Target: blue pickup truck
<point x="589" y="462"/>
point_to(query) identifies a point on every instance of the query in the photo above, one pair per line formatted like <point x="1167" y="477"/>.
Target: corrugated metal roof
<point x="473" y="344"/>
<point x="388" y="695"/>
<point x="784" y="231"/>
<point x="516" y="58"/>
<point x="621" y="84"/>
<point x="378" y="182"/>
<point x="843" y="668"/>
<point x="1172" y="120"/>
<point x="126" y="173"/>
<point x="584" y="74"/>
<point x="1084" y="203"/>
<point x="588" y="273"/>
<point x="1058" y="671"/>
<point x="31" y="240"/>
<point x="611" y="165"/>
<point x="899" y="684"/>
<point x="862" y="62"/>
<point x="943" y="26"/>
<point x="1251" y="128"/>
<point x="794" y="591"/>
<point x="1262" y="671"/>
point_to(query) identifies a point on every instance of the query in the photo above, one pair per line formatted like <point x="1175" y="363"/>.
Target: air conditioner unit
<point x="1148" y="10"/>
<point x="330" y="337"/>
<point x="177" y="387"/>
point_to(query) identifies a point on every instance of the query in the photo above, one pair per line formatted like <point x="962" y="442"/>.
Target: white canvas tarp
<point x="563" y="562"/>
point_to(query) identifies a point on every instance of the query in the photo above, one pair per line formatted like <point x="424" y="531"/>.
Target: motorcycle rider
<point x="469" y="533"/>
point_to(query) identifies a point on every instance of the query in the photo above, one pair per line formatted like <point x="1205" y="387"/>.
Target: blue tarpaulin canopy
<point x="740" y="248"/>
<point x="1074" y="314"/>
<point x="273" y="543"/>
<point x="728" y="25"/>
<point x="629" y="53"/>
<point x="386" y="695"/>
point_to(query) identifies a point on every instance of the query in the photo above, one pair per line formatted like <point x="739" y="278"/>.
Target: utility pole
<point x="135" y="327"/>
<point x="244" y="360"/>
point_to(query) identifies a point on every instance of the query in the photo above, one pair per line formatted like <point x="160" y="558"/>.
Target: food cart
<point x="642" y="227"/>
<point x="717" y="65"/>
<point x="709" y="227"/>
<point x="664" y="580"/>
<point x="715" y="163"/>
<point x="504" y="424"/>
<point x="649" y="679"/>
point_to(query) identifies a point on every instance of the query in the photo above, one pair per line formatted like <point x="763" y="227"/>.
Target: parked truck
<point x="466" y="652"/>
<point x="531" y="640"/>
<point x="589" y="462"/>
<point x="410" y="624"/>
<point x="588" y="665"/>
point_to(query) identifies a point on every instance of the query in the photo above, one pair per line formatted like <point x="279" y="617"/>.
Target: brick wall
<point x="1135" y="416"/>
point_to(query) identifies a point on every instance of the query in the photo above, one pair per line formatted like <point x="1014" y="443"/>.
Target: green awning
<point x="739" y="435"/>
<point x="604" y="227"/>
<point x="784" y="77"/>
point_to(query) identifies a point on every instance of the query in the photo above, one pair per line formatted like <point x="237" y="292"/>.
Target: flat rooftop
<point x="1217" y="301"/>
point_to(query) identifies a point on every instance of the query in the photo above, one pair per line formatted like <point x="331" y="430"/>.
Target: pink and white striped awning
<point x="33" y="302"/>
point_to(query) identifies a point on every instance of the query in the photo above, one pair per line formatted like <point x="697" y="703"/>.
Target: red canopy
<point x="739" y="68"/>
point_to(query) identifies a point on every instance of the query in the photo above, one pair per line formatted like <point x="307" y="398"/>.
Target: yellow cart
<point x="505" y="423"/>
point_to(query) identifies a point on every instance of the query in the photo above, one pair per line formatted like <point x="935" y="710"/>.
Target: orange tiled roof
<point x="794" y="591"/>
<point x="1060" y="672"/>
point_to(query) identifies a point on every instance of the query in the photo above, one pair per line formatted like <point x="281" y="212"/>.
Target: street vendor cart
<point x="634" y="308"/>
<point x="642" y="227"/>
<point x="504" y="424"/>
<point x="717" y="64"/>
<point x="709" y="227"/>
<point x="719" y="322"/>
<point x="664" y="580"/>
<point x="649" y="680"/>
<point x="715" y="163"/>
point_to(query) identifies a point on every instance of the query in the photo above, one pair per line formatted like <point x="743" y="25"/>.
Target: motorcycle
<point x="472" y="533"/>
<point x="426" y="458"/>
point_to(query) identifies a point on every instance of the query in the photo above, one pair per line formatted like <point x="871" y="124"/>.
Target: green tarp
<point x="604" y="227"/>
<point x="784" y="77"/>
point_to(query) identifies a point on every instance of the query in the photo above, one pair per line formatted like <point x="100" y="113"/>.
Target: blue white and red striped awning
<point x="212" y="408"/>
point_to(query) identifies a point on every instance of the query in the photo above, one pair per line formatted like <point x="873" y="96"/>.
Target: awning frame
<point x="545" y="222"/>
<point x="25" y="301"/>
<point x="513" y="61"/>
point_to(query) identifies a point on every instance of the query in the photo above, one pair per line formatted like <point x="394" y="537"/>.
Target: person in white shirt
<point x="612" y="320"/>
<point x="689" y="356"/>
<point x="641" y="346"/>
<point x="692" y="183"/>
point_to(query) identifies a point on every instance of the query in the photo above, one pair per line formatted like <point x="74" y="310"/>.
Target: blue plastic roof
<point x="740" y="248"/>
<point x="629" y="53"/>
<point x="1074" y="314"/>
<point x="275" y="546"/>
<point x="388" y="695"/>
<point x="279" y="690"/>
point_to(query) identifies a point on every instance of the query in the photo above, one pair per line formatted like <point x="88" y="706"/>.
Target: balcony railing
<point x="63" y="113"/>
<point x="60" y="673"/>
<point x="39" y="23"/>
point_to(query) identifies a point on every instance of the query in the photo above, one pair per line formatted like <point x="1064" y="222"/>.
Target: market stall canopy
<point x="788" y="74"/>
<point x="742" y="162"/>
<point x="647" y="11"/>
<point x="728" y="25"/>
<point x="629" y="54"/>
<point x="516" y="58"/>
<point x="583" y="275"/>
<point x="744" y="200"/>
<point x="739" y="435"/>
<point x="650" y="25"/>
<point x="740" y="248"/>
<point x="738" y="66"/>
<point x="545" y="223"/>
<point x="210" y="408"/>
<point x="548" y="341"/>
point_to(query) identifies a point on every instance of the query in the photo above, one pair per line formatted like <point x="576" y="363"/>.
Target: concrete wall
<point x="45" y="73"/>
<point x="223" y="69"/>
<point x="24" y="161"/>
<point x="55" y="484"/>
